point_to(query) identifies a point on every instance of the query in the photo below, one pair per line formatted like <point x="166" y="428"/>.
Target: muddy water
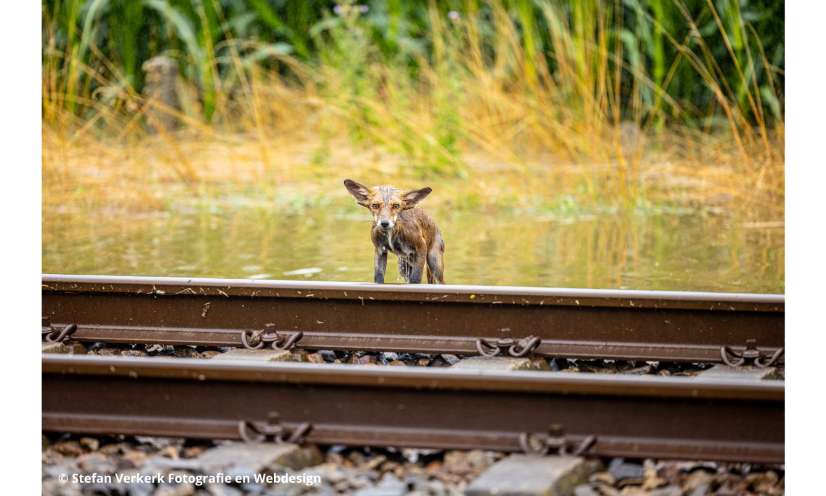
<point x="689" y="251"/>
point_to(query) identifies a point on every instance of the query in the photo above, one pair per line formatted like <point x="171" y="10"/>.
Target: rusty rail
<point x="576" y="323"/>
<point x="435" y="408"/>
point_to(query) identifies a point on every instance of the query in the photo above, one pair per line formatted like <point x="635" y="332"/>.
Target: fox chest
<point x="397" y="245"/>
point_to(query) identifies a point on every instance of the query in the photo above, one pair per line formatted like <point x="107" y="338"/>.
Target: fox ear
<point x="411" y="198"/>
<point x="359" y="191"/>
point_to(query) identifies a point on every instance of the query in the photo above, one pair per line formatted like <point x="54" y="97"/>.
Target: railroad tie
<point x="65" y="348"/>
<point x="265" y="355"/>
<point x="257" y="457"/>
<point x="741" y="373"/>
<point x="528" y="475"/>
<point x="494" y="363"/>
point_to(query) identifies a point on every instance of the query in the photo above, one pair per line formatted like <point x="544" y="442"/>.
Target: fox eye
<point x="396" y="206"/>
<point x="375" y="205"/>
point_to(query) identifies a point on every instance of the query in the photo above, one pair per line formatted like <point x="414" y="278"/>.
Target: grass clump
<point x="512" y="103"/>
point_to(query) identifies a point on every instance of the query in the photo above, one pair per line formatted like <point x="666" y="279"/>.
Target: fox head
<point x="385" y="202"/>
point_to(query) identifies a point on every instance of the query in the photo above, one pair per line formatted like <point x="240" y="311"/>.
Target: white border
<point x="805" y="338"/>
<point x="20" y="291"/>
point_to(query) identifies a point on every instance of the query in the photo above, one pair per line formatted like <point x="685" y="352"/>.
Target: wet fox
<point x="399" y="226"/>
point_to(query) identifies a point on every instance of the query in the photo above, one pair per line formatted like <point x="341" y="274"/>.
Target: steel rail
<point x="685" y="418"/>
<point x="576" y="323"/>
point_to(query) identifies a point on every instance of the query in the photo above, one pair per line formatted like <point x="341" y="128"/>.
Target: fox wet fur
<point x="401" y="227"/>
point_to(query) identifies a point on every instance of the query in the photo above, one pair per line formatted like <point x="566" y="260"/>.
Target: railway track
<point x="685" y="418"/>
<point x="535" y="412"/>
<point x="635" y="325"/>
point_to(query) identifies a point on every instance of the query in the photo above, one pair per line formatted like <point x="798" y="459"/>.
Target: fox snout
<point x="384" y="219"/>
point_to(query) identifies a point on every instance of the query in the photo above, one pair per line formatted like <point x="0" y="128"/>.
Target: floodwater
<point x="687" y="251"/>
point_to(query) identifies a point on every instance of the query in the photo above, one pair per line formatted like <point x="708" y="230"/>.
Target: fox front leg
<point x="417" y="268"/>
<point x="381" y="265"/>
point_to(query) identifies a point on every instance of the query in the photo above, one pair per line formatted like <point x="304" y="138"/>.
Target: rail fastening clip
<point x="255" y="340"/>
<point x="255" y="432"/>
<point x="734" y="358"/>
<point x="515" y="348"/>
<point x="556" y="441"/>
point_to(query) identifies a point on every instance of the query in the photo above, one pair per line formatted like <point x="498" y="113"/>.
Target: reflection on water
<point x="677" y="252"/>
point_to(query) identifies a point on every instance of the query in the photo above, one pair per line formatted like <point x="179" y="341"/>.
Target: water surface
<point x="686" y="251"/>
